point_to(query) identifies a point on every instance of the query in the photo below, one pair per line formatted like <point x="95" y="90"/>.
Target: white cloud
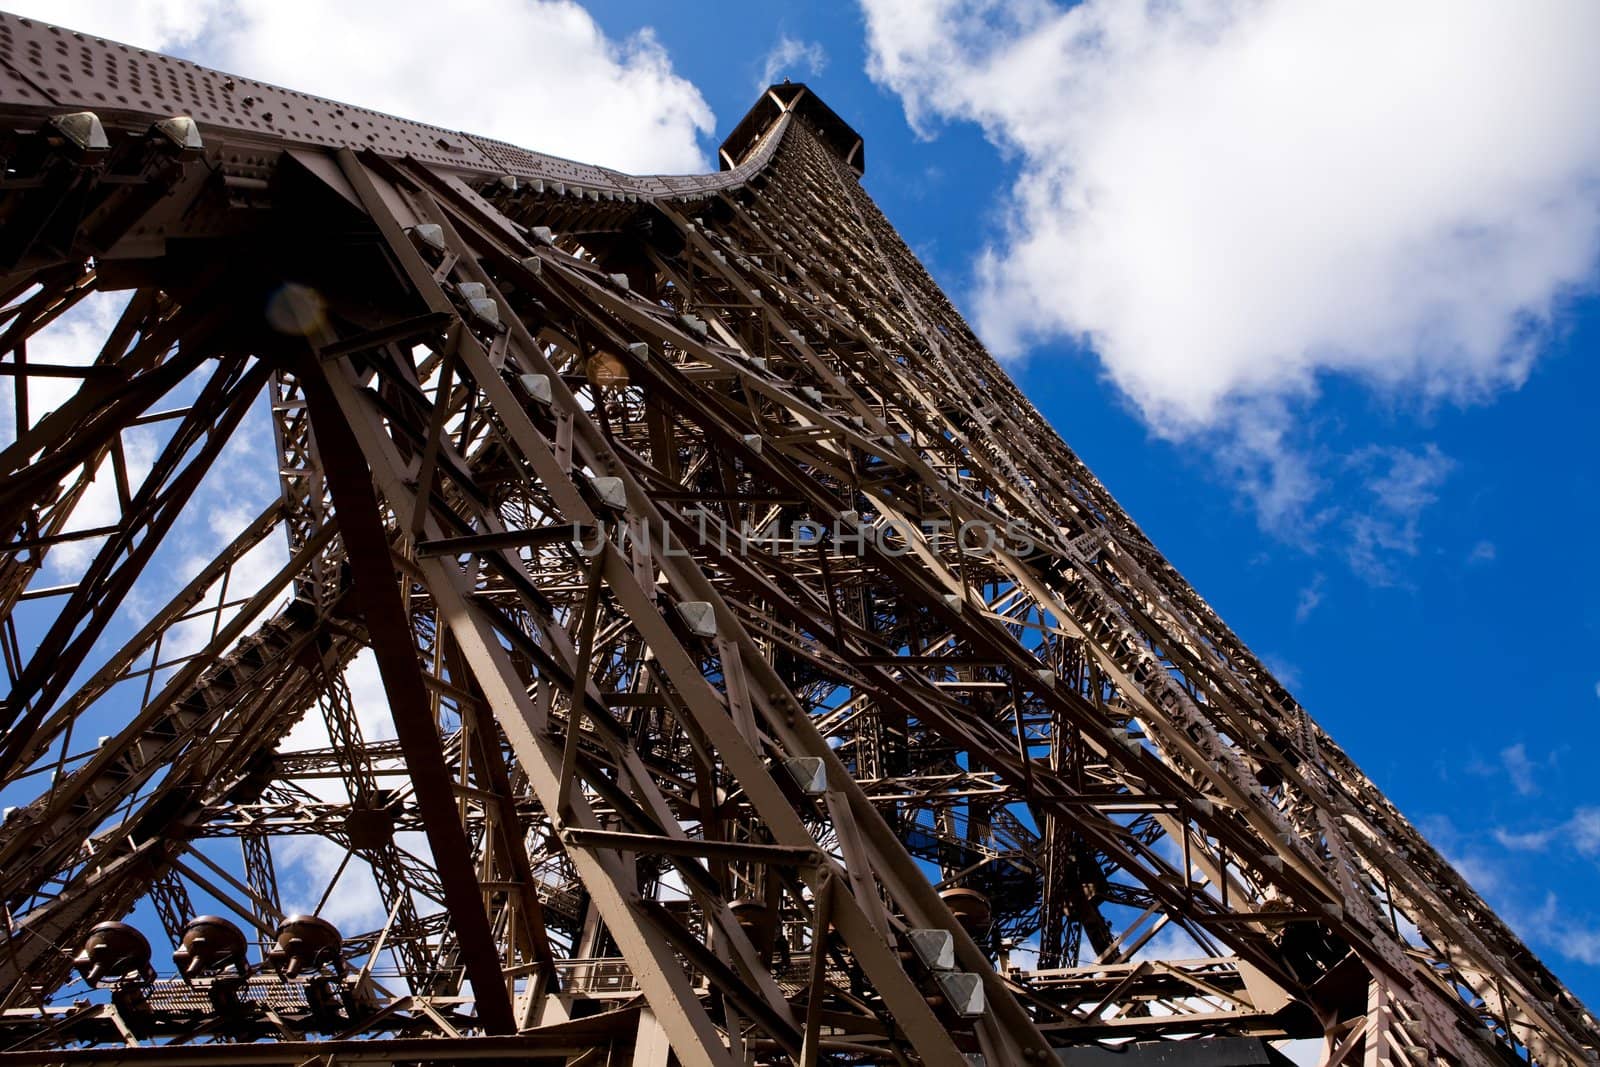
<point x="1402" y="484"/>
<point x="310" y="863"/>
<point x="537" y="73"/>
<point x="1483" y="552"/>
<point x="74" y="340"/>
<point x="1568" y="930"/>
<point x="792" y="56"/>
<point x="1171" y="942"/>
<point x="1231" y="200"/>
<point x="1524" y="773"/>
<point x="1585" y="829"/>
<point x="1258" y="451"/>
<point x="1284" y="671"/>
<point x="1229" y="197"/>
<point x="1520" y="769"/>
<point x="1483" y="875"/>
<point x="99" y="506"/>
<point x="1581" y="833"/>
<point x="1310" y="597"/>
<point x="370" y="703"/>
<point x="1555" y="924"/>
<point x="142" y="22"/>
<point x="1530" y="841"/>
<point x="249" y="575"/>
<point x="1409" y="483"/>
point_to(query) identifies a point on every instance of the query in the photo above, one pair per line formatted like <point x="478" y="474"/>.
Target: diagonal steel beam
<point x="376" y="590"/>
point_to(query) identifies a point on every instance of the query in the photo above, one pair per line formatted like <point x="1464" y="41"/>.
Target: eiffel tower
<point x="759" y="678"/>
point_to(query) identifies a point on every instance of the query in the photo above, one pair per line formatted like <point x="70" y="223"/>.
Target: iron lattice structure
<point x="719" y="722"/>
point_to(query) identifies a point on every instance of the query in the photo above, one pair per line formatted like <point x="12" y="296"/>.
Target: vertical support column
<point x="650" y="1047"/>
<point x="377" y="593"/>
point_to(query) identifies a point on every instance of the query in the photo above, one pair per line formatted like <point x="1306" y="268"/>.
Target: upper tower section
<point x="796" y="98"/>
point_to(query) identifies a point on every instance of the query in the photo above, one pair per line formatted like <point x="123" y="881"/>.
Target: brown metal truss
<point x="769" y="682"/>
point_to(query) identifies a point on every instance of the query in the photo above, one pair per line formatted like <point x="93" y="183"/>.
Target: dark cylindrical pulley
<point x="758" y="921"/>
<point x="114" y="950"/>
<point x="970" y="907"/>
<point x="305" y="943"/>
<point x="211" y="944"/>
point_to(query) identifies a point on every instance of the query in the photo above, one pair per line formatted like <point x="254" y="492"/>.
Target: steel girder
<point x="653" y="500"/>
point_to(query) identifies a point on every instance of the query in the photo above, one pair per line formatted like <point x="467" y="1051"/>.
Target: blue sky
<point x="1330" y="344"/>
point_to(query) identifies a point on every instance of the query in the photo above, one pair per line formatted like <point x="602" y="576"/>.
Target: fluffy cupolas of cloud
<point x="538" y="73"/>
<point x="791" y="55"/>
<point x="1226" y="199"/>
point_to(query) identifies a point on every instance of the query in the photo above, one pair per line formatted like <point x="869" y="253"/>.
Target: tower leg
<point x="651" y="1048"/>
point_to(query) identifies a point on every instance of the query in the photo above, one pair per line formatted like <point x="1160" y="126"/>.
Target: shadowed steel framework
<point x="769" y="682"/>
